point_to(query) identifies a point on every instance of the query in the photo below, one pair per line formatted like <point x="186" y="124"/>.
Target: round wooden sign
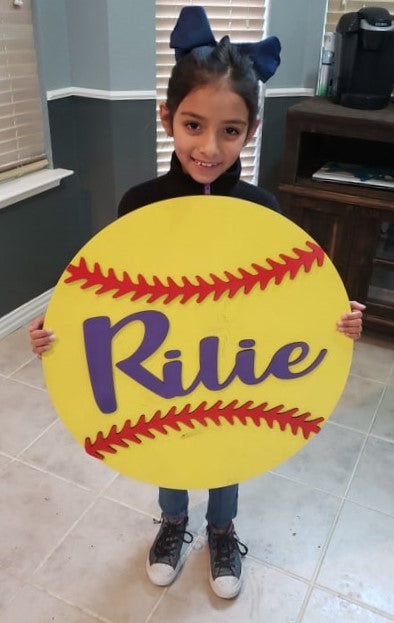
<point x="197" y="342"/>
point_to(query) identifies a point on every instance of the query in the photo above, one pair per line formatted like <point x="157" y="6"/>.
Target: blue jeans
<point x="222" y="505"/>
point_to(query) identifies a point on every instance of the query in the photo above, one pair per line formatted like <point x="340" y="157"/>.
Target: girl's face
<point x="210" y="127"/>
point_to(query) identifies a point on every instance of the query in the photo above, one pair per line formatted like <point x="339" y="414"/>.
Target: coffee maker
<point x="363" y="72"/>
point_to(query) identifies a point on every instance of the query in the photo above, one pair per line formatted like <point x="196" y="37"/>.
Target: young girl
<point x="211" y="113"/>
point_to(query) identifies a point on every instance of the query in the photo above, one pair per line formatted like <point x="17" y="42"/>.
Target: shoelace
<point x="170" y="536"/>
<point x="226" y="545"/>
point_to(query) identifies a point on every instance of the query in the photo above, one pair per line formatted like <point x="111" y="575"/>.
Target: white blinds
<point x="243" y="21"/>
<point x="336" y="8"/>
<point x="21" y="126"/>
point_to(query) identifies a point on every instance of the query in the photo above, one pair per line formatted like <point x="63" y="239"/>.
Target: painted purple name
<point x="98" y="336"/>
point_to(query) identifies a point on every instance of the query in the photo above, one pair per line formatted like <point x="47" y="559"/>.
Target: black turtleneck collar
<point x="221" y="186"/>
<point x="176" y="183"/>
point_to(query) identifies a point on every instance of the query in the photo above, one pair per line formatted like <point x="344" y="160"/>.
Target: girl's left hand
<point x="351" y="324"/>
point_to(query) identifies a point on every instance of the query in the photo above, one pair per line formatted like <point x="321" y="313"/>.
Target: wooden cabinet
<point x="354" y="223"/>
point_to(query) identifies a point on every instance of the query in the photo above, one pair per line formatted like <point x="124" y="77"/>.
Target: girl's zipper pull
<point x="207" y="189"/>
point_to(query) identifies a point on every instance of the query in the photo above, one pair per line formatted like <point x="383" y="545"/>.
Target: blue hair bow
<point x="192" y="30"/>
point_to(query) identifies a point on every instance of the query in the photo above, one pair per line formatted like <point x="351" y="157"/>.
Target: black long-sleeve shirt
<point x="176" y="183"/>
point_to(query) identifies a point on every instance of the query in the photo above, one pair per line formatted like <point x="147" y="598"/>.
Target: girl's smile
<point x="210" y="127"/>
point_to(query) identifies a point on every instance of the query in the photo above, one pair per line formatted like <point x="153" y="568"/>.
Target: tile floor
<point x="320" y="528"/>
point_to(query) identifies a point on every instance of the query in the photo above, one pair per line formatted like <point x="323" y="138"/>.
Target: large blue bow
<point x="192" y="30"/>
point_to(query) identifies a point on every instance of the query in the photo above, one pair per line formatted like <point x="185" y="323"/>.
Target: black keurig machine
<point x="363" y="73"/>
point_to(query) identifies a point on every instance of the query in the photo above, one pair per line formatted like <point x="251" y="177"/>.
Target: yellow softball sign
<point x="197" y="343"/>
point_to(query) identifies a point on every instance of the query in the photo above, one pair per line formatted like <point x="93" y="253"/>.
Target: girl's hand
<point x="40" y="339"/>
<point x="351" y="324"/>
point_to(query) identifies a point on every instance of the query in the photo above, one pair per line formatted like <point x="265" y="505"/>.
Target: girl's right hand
<point x="40" y="339"/>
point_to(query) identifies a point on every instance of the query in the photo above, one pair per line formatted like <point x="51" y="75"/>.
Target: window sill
<point x="30" y="185"/>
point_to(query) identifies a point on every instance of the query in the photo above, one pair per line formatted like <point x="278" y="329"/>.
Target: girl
<point x="211" y="113"/>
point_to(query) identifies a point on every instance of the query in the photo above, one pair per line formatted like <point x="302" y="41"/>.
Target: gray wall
<point x="109" y="45"/>
<point x="273" y="140"/>
<point x="110" y="145"/>
<point x="96" y="44"/>
<point x="39" y="235"/>
<point x="299" y="25"/>
<point x="50" y="26"/>
<point x="132" y="58"/>
<point x="87" y="25"/>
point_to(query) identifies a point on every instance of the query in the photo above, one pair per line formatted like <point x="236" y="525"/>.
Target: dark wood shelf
<point x="344" y="218"/>
<point x="347" y="193"/>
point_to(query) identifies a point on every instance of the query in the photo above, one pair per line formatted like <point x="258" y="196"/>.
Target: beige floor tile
<point x="25" y="413"/>
<point x="359" y="562"/>
<point x="9" y="586"/>
<point x="327" y="461"/>
<point x="373" y="359"/>
<point x="37" y="510"/>
<point x="35" y="606"/>
<point x="4" y="461"/>
<point x="285" y="523"/>
<point x="384" y="422"/>
<point x="59" y="453"/>
<point x="31" y="373"/>
<point x="14" y="351"/>
<point x="266" y="595"/>
<point x="326" y="608"/>
<point x="137" y="495"/>
<point x="373" y="482"/>
<point x="100" y="566"/>
<point x="144" y="497"/>
<point x="358" y="403"/>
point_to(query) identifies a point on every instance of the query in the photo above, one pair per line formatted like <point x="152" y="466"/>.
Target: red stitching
<point x="201" y="288"/>
<point x="202" y="415"/>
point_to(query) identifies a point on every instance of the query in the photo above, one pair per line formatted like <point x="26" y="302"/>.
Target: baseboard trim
<point x="24" y="314"/>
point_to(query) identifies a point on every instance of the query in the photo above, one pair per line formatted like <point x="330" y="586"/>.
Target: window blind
<point x="336" y="8"/>
<point x="22" y="148"/>
<point x="243" y="21"/>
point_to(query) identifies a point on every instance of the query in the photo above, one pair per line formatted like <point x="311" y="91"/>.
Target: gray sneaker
<point x="164" y="559"/>
<point x="225" y="551"/>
